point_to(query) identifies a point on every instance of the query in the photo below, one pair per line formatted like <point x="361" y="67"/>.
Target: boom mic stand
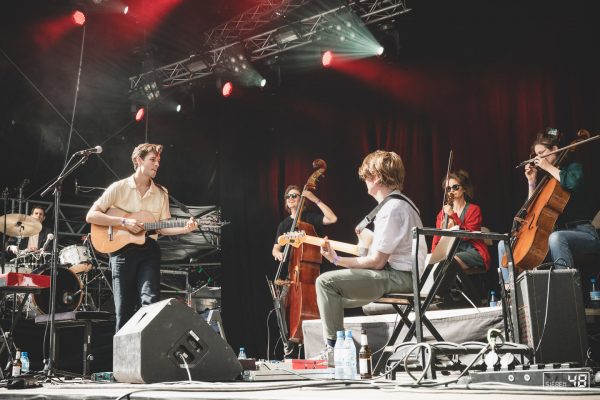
<point x="49" y="367"/>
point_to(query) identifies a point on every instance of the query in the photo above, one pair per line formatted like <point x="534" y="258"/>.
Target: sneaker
<point x="326" y="355"/>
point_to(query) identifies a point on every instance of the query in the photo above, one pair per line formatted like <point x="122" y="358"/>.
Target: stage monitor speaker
<point x="565" y="335"/>
<point x="150" y="346"/>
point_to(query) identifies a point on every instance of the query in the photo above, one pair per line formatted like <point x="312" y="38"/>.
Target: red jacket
<point x="472" y="222"/>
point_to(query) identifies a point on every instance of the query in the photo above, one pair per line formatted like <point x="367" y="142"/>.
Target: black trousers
<point x="135" y="278"/>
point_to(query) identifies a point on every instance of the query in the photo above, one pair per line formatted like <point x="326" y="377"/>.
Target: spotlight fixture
<point x="78" y="18"/>
<point x="263" y="83"/>
<point x="139" y="115"/>
<point x="327" y="58"/>
<point x="227" y="89"/>
<point x="151" y="90"/>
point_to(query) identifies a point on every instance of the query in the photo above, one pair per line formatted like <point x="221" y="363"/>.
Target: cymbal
<point x="20" y="225"/>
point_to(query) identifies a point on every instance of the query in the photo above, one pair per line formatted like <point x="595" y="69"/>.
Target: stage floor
<point x="284" y="390"/>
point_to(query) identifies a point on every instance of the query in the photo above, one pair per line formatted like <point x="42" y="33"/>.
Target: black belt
<point x="573" y="224"/>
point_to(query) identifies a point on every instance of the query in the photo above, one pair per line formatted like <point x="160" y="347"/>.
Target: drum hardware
<point x="94" y="262"/>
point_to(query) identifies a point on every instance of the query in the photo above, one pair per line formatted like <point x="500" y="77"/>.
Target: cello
<point x="297" y="294"/>
<point x="535" y="220"/>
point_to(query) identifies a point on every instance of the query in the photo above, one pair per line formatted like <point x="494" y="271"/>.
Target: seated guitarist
<point x="388" y="263"/>
<point x="136" y="269"/>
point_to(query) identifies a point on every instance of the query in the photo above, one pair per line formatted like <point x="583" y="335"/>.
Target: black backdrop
<point x="474" y="77"/>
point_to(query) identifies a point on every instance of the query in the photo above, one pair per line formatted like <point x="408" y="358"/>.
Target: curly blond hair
<point x="385" y="165"/>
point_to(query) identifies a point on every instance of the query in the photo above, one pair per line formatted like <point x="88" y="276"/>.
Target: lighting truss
<point x="246" y="23"/>
<point x="270" y="42"/>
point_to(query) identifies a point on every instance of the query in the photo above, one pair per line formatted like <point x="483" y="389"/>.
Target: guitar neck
<point x="337" y="246"/>
<point x="152" y="226"/>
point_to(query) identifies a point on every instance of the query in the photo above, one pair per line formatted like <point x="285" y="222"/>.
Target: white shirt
<point x="393" y="234"/>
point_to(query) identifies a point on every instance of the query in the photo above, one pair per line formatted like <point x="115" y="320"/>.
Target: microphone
<point x="76" y="188"/>
<point x="49" y="238"/>
<point x="87" y="152"/>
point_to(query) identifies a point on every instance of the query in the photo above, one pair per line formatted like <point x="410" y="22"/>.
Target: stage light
<point x="327" y="58"/>
<point x="125" y="10"/>
<point x="151" y="90"/>
<point x="79" y="18"/>
<point x="263" y="82"/>
<point x="178" y="108"/>
<point x="227" y="89"/>
<point x="139" y="115"/>
<point x="379" y="50"/>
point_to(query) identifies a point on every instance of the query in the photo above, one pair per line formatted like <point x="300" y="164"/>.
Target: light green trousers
<point x="349" y="288"/>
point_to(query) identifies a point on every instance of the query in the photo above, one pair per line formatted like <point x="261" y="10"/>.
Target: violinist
<point x="387" y="265"/>
<point x="573" y="231"/>
<point x="466" y="215"/>
<point x="316" y="219"/>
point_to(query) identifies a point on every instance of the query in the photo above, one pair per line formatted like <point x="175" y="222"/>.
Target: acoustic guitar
<point x="108" y="239"/>
<point x="296" y="239"/>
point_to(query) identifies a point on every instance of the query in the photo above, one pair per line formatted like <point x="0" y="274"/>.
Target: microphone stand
<point x="3" y="254"/>
<point x="49" y="367"/>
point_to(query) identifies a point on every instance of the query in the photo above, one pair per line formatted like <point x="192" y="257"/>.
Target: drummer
<point x="31" y="243"/>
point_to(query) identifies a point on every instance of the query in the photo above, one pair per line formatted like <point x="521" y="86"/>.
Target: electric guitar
<point x="108" y="239"/>
<point x="296" y="239"/>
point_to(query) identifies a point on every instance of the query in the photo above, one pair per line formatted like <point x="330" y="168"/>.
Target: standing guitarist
<point x="136" y="268"/>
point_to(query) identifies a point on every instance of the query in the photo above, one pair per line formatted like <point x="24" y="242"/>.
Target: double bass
<point x="297" y="295"/>
<point x="536" y="219"/>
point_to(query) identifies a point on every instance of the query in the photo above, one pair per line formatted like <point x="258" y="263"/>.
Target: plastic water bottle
<point x="242" y="354"/>
<point x="350" y="367"/>
<point x="594" y="293"/>
<point x="24" y="362"/>
<point x="493" y="299"/>
<point x="339" y="355"/>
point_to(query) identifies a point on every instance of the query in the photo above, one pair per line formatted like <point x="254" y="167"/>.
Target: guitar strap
<point x="179" y="204"/>
<point x="371" y="216"/>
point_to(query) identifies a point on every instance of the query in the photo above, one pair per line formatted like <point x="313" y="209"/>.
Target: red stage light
<point x="327" y="58"/>
<point x="139" y="115"/>
<point x="79" y="18"/>
<point x="227" y="89"/>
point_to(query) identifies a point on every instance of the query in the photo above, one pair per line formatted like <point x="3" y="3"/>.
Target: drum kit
<point x="75" y="264"/>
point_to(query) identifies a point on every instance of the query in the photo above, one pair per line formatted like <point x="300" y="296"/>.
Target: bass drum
<point x="68" y="292"/>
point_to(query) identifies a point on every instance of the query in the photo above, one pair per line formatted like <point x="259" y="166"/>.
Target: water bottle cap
<point x="242" y="348"/>
<point x="593" y="279"/>
<point x="340" y="333"/>
<point x="492" y="292"/>
<point x="348" y="333"/>
<point x="24" y="353"/>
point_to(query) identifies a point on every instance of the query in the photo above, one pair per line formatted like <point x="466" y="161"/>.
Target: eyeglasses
<point x="452" y="188"/>
<point x="292" y="196"/>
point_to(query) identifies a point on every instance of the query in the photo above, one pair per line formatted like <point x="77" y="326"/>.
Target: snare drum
<point x="77" y="257"/>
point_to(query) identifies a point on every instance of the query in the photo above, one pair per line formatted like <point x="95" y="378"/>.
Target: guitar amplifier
<point x="552" y="315"/>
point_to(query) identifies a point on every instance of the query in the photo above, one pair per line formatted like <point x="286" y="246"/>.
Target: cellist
<point x="316" y="219"/>
<point x="573" y="232"/>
